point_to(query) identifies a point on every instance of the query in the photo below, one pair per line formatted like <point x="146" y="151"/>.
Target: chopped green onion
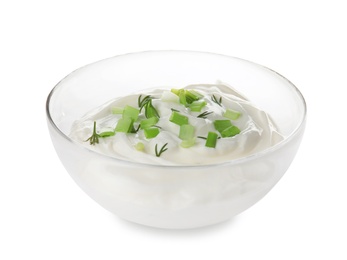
<point x="230" y="131"/>
<point x="211" y="140"/>
<point x="182" y="97"/>
<point x="130" y="112"/>
<point x="232" y="114"/>
<point x="140" y="146"/>
<point x="197" y="106"/>
<point x="147" y="123"/>
<point x="169" y="96"/>
<point x="186" y="97"/>
<point x="192" y="96"/>
<point x="117" y="110"/>
<point x="107" y="134"/>
<point x="151" y="132"/>
<point x="178" y="119"/>
<point x="187" y="143"/>
<point x="124" y="125"/>
<point x="221" y="125"/>
<point x="186" y="132"/>
<point x="175" y="91"/>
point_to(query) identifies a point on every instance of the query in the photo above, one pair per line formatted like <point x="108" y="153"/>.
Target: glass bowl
<point x="174" y="197"/>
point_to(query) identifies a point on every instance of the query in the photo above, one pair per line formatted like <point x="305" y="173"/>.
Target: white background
<point x="44" y="215"/>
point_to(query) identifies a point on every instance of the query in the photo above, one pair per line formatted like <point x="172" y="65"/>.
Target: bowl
<point x="174" y="197"/>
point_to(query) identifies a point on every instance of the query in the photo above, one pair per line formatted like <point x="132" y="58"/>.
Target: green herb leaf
<point x="205" y="114"/>
<point x="94" y="138"/>
<point x="163" y="149"/>
<point x="217" y="101"/>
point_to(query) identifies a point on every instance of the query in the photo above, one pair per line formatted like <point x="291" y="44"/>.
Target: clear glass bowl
<point x="174" y="196"/>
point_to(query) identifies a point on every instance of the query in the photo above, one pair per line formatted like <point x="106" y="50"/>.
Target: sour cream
<point x="257" y="130"/>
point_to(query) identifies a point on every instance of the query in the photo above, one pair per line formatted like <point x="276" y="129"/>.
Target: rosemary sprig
<point x="163" y="149"/>
<point x="174" y="110"/>
<point x="203" y="137"/>
<point x="135" y="130"/>
<point x="205" y="114"/>
<point x="142" y="103"/>
<point x="217" y="101"/>
<point x="146" y="103"/>
<point x="94" y="138"/>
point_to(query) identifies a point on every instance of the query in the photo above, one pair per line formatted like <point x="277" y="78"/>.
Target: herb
<point x="174" y="110"/>
<point x="142" y="102"/>
<point x="146" y="103"/>
<point x="205" y="114"/>
<point x="217" y="101"/>
<point x="163" y="149"/>
<point x="94" y="139"/>
<point x="135" y="130"/>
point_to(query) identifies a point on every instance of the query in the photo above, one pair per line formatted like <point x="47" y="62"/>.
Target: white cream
<point x="257" y="130"/>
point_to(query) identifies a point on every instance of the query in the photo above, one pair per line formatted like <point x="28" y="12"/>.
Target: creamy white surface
<point x="257" y="129"/>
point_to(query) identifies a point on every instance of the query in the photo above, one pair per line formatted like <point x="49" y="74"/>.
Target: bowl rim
<point x="226" y="163"/>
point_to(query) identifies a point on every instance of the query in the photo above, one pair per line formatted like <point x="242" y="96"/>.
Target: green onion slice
<point x="232" y="114"/>
<point x="178" y="118"/>
<point x="186" y="132"/>
<point x="230" y="131"/>
<point x="196" y="106"/>
<point x="187" y="143"/>
<point x="124" y="125"/>
<point x="149" y="122"/>
<point x="221" y="125"/>
<point x="211" y="140"/>
<point x="151" y="132"/>
<point x="130" y="112"/>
